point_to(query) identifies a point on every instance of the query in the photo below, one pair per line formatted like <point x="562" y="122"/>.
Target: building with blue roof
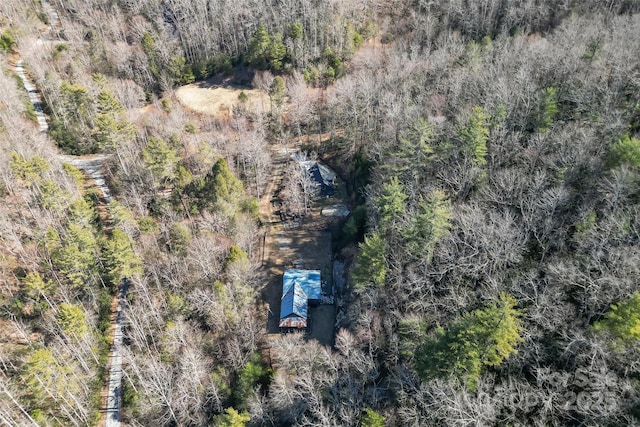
<point x="293" y="308"/>
<point x="300" y="288"/>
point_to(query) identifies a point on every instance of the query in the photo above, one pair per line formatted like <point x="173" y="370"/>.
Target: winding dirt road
<point x="92" y="166"/>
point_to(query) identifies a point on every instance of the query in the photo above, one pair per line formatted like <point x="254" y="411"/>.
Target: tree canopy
<point x="622" y="322"/>
<point x="483" y="337"/>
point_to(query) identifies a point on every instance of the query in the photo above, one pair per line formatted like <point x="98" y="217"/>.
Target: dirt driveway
<point x="303" y="244"/>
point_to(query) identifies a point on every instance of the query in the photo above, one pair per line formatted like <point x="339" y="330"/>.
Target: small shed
<point x="300" y="288"/>
<point x="324" y="178"/>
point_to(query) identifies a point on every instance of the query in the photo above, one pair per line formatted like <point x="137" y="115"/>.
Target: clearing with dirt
<point x="304" y="243"/>
<point x="219" y="101"/>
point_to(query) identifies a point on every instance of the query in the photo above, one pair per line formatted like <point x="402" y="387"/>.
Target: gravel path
<point x="34" y="97"/>
<point x="92" y="165"/>
<point x="115" y="362"/>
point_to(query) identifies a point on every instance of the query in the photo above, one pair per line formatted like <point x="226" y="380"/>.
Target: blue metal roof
<point x="294" y="302"/>
<point x="309" y="281"/>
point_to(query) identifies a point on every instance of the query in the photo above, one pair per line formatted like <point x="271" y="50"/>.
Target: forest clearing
<point x="303" y="242"/>
<point x="220" y="101"/>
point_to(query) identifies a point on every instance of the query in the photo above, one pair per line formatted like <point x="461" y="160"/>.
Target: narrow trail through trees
<point x="92" y="166"/>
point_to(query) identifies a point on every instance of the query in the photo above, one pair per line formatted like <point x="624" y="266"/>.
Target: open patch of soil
<point x="220" y="101"/>
<point x="304" y="243"/>
<point x="303" y="248"/>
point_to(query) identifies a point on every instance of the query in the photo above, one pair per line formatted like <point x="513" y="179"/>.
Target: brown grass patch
<point x="220" y="101"/>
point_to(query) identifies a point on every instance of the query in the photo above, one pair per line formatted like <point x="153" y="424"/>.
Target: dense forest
<point x="491" y="154"/>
